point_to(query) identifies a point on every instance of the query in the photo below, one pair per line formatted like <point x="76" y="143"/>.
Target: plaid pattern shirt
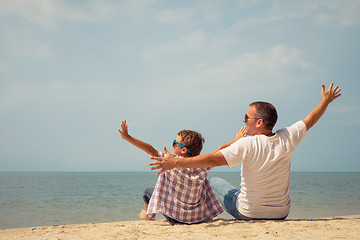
<point x="184" y="194"/>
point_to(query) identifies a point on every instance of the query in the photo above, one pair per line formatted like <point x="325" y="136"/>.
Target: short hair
<point x="267" y="112"/>
<point x="192" y="140"/>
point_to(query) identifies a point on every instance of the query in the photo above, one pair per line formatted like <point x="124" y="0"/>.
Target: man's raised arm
<point x="326" y="98"/>
<point x="201" y="161"/>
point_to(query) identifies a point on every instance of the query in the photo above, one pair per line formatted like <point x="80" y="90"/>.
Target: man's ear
<point x="259" y="123"/>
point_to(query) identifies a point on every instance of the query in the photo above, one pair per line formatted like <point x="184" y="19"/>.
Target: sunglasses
<point x="247" y="117"/>
<point x="175" y="142"/>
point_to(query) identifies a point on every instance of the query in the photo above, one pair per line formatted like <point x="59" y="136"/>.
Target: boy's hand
<point x="164" y="163"/>
<point x="124" y="130"/>
<point x="241" y="133"/>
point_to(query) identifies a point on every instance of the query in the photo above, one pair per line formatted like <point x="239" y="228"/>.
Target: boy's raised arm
<point x="239" y="134"/>
<point x="136" y="142"/>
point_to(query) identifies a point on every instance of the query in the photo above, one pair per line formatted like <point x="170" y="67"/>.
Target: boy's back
<point x="182" y="195"/>
<point x="188" y="192"/>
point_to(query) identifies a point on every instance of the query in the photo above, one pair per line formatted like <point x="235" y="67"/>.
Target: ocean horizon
<point x="30" y="199"/>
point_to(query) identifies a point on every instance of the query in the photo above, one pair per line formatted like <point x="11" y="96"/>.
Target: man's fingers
<point x="154" y="163"/>
<point x="156" y="158"/>
<point x="154" y="168"/>
<point x="160" y="172"/>
<point x="338" y="91"/>
<point x="331" y="86"/>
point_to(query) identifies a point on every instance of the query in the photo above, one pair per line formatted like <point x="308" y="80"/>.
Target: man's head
<point x="188" y="143"/>
<point x="260" y="118"/>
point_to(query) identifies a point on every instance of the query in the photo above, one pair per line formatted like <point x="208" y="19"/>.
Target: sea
<point x="32" y="199"/>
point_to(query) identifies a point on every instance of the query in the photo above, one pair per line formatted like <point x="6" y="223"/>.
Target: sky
<point x="70" y="71"/>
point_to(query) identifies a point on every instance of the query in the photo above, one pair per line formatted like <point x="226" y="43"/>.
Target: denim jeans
<point x="227" y="195"/>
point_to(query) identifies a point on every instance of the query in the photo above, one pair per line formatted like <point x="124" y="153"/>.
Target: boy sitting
<point x="182" y="195"/>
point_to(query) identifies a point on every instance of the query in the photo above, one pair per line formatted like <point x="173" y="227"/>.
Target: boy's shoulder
<point x="187" y="172"/>
<point x="162" y="154"/>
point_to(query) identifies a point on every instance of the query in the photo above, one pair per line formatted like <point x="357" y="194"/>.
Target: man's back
<point x="265" y="171"/>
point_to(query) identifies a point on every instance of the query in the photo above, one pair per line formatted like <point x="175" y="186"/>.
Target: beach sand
<point x="346" y="227"/>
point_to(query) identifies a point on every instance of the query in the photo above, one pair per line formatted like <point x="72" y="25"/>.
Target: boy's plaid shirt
<point x="184" y="194"/>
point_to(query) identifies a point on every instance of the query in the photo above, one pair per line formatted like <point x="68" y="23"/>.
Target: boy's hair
<point x="192" y="140"/>
<point x="267" y="112"/>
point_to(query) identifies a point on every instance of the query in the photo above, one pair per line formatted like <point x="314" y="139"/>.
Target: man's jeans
<point x="227" y="195"/>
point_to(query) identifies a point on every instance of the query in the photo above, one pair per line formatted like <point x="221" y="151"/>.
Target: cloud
<point x="48" y="13"/>
<point x="340" y="13"/>
<point x="327" y="12"/>
<point x="4" y="67"/>
<point x="277" y="65"/>
<point x="21" y="44"/>
<point x="174" y="15"/>
<point x="350" y="110"/>
<point x="248" y="75"/>
<point x="19" y="93"/>
<point x="193" y="40"/>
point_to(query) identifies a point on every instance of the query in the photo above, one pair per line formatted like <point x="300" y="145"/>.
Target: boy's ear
<point x="184" y="150"/>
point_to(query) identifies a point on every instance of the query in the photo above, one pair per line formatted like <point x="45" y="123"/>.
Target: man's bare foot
<point x="143" y="216"/>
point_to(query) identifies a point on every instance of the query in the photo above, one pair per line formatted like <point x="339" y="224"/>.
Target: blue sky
<point x="70" y="71"/>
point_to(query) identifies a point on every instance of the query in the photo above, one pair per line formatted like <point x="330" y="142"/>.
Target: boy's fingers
<point x="166" y="151"/>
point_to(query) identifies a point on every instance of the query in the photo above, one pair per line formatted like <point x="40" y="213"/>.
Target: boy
<point x="182" y="195"/>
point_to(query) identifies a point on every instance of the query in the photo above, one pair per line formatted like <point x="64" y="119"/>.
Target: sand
<point x="346" y="227"/>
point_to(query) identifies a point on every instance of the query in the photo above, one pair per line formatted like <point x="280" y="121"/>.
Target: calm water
<point x="39" y="199"/>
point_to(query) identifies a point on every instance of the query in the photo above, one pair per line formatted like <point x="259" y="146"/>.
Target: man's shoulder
<point x="299" y="125"/>
<point x="295" y="132"/>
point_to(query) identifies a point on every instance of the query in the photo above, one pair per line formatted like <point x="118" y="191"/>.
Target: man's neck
<point x="268" y="133"/>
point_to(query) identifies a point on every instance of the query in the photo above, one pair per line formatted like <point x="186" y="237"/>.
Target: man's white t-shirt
<point x="265" y="171"/>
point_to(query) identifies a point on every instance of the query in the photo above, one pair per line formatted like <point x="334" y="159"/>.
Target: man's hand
<point x="331" y="94"/>
<point x="124" y="130"/>
<point x="164" y="163"/>
<point x="326" y="98"/>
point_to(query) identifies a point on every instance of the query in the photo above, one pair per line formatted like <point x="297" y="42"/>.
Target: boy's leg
<point x="227" y="195"/>
<point x="146" y="196"/>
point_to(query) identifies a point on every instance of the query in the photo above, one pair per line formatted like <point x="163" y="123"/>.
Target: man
<point x="265" y="158"/>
